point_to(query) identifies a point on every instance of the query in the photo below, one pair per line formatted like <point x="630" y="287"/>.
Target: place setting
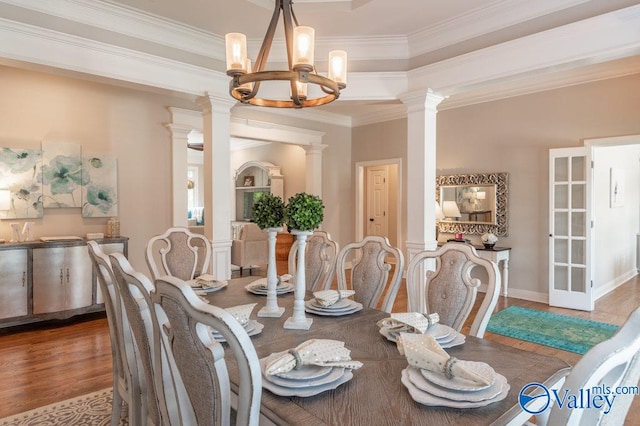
<point x="312" y="367"/>
<point x="205" y="284"/>
<point x="417" y="323"/>
<point x="259" y="286"/>
<point x="242" y="314"/>
<point x="332" y="303"/>
<point x="436" y="379"/>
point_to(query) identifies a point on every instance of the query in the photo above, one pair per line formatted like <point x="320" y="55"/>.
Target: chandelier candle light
<point x="300" y="56"/>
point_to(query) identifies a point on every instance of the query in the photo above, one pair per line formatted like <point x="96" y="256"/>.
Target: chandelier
<point x="300" y="51"/>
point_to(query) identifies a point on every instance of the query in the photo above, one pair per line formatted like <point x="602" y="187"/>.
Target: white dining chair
<point x="319" y="259"/>
<point x="185" y="323"/>
<point x="450" y="290"/>
<point x="126" y="384"/>
<point x="178" y="252"/>
<point x="371" y="262"/>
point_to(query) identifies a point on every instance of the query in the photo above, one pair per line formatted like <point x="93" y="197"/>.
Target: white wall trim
<point x="482" y="21"/>
<point x="614" y="140"/>
<point x="41" y="46"/>
<point x="532" y="296"/>
<point x="606" y="37"/>
<point x="607" y="288"/>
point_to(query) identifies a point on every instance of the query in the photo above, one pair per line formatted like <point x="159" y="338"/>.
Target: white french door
<point x="570" y="226"/>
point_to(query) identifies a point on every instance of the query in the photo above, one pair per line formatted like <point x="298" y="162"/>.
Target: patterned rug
<point x="92" y="409"/>
<point x="558" y="331"/>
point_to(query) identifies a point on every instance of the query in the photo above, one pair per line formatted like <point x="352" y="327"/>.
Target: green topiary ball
<point x="304" y="212"/>
<point x="268" y="211"/>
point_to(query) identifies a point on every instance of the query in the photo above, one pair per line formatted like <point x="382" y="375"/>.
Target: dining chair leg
<point x="117" y="403"/>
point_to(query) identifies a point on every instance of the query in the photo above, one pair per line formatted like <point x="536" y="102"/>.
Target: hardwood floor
<point x="45" y="363"/>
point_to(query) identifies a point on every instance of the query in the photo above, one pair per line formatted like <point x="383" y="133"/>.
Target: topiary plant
<point x="268" y="211"/>
<point x="304" y="212"/>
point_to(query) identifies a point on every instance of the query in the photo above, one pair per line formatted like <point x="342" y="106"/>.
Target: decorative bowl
<point x="489" y="246"/>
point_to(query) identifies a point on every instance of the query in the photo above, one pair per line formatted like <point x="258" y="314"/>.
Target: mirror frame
<point x="501" y="181"/>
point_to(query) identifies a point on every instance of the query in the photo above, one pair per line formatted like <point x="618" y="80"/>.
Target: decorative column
<point x="179" y="140"/>
<point x="216" y="115"/>
<point x="314" y="168"/>
<point x="299" y="321"/>
<point x="421" y="171"/>
<point x="272" y="309"/>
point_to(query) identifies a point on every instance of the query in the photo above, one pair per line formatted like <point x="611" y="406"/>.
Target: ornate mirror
<point x="473" y="204"/>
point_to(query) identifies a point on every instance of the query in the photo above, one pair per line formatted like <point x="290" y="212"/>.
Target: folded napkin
<point x="331" y="297"/>
<point x="410" y="322"/>
<point x="207" y="280"/>
<point x="241" y="312"/>
<point x="423" y="351"/>
<point x="322" y="352"/>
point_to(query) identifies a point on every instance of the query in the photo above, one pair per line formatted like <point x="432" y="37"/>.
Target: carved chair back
<point x="319" y="259"/>
<point x="178" y="252"/>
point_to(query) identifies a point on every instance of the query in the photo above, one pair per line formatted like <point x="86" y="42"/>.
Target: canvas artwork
<point x="19" y="172"/>
<point x="100" y="186"/>
<point x="62" y="176"/>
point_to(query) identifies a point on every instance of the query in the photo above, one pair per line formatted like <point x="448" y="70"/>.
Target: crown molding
<point x="478" y="22"/>
<point x="540" y="83"/>
<point x="379" y="115"/>
<point x="131" y="22"/>
<point x="42" y="46"/>
<point x="606" y="37"/>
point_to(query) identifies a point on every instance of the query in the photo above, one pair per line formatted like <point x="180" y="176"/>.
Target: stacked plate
<point x="307" y="381"/>
<point x="341" y="307"/>
<point x="430" y="388"/>
<point x="259" y="286"/>
<point x="202" y="288"/>
<point x="252" y="327"/>
<point x="446" y="336"/>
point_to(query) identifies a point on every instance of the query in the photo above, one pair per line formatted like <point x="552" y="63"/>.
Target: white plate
<point x="204" y="291"/>
<point x="339" y="305"/>
<point x="425" y="385"/>
<point x="459" y="384"/>
<point x="252" y="327"/>
<point x="334" y="374"/>
<point x="335" y="313"/>
<point x="308" y="372"/>
<point x="310" y="390"/>
<point x="256" y="287"/>
<point x="432" y="400"/>
<point x="458" y="338"/>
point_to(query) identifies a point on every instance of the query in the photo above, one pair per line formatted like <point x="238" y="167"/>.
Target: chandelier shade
<point x="300" y="42"/>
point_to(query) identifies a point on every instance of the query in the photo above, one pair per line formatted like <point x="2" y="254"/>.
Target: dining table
<point x="375" y="394"/>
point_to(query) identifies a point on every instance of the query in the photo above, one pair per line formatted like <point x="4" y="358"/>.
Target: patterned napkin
<point x="207" y="281"/>
<point x="423" y="351"/>
<point x="331" y="297"/>
<point x="409" y="322"/>
<point x="241" y="312"/>
<point x="322" y="352"/>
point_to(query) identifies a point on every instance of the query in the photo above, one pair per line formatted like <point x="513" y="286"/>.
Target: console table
<point x="50" y="280"/>
<point x="499" y="255"/>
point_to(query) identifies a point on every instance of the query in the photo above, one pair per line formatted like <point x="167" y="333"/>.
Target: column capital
<point x="421" y="100"/>
<point x="179" y="130"/>
<point x="211" y="103"/>
<point x="314" y="148"/>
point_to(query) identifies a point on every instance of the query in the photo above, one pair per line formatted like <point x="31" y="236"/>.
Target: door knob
<point x="370" y="219"/>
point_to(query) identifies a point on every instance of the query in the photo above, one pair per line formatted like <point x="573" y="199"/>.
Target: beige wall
<point x="130" y="125"/>
<point x="102" y="119"/>
<point x="514" y="135"/>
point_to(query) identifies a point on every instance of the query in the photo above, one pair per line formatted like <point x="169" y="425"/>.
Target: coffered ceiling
<point x="468" y="50"/>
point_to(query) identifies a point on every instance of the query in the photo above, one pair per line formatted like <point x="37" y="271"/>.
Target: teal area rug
<point x="545" y="328"/>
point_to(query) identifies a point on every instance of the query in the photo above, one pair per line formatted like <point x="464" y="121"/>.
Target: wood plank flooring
<point x="44" y="363"/>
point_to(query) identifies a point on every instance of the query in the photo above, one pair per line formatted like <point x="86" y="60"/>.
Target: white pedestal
<point x="299" y="321"/>
<point x="272" y="309"/>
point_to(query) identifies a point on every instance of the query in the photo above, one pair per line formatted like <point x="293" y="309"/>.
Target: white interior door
<point x="570" y="176"/>
<point x="377" y="221"/>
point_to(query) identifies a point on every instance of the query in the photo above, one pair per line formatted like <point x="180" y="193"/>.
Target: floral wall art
<point x="62" y="176"/>
<point x="19" y="172"/>
<point x="58" y="176"/>
<point x="100" y="183"/>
